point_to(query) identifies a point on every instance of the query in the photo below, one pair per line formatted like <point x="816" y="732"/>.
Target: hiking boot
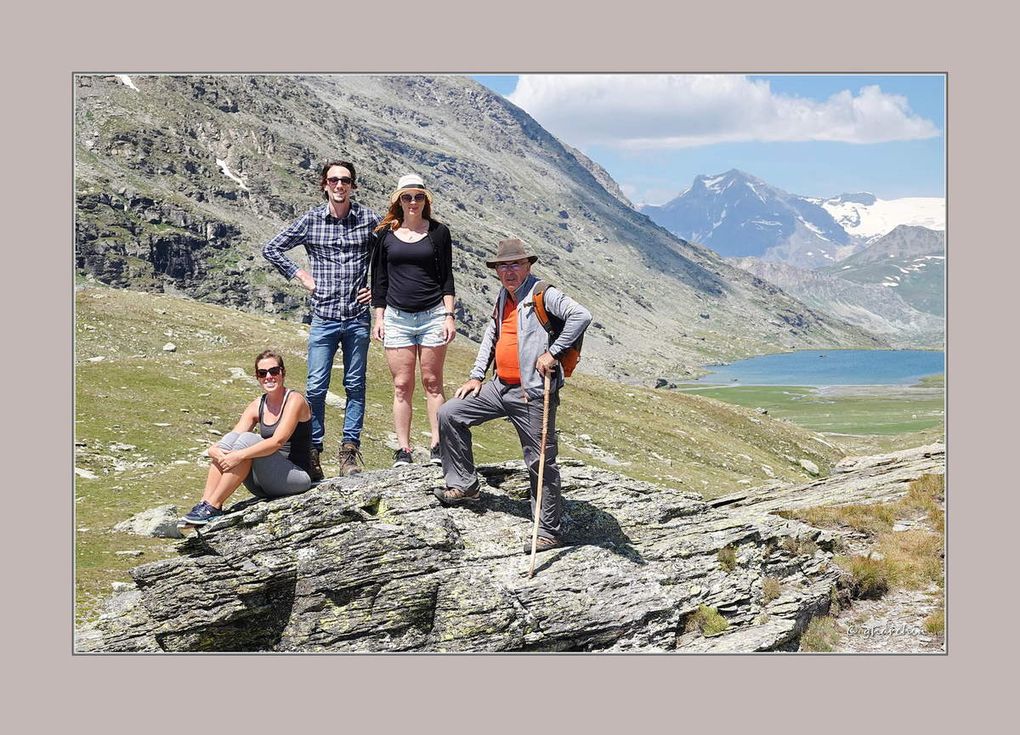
<point x="401" y="457"/>
<point x="202" y="514"/>
<point x="435" y="456"/>
<point x="350" y="455"/>
<point x="543" y="544"/>
<point x="456" y="495"/>
<point x="315" y="469"/>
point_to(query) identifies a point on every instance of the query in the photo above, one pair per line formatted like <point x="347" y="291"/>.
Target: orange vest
<point x="508" y="366"/>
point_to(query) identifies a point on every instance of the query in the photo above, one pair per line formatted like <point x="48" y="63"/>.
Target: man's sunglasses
<point x="408" y="198"/>
<point x="334" y="180"/>
<point x="274" y="371"/>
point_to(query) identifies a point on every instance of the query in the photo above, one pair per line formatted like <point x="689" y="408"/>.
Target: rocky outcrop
<point x="374" y="563"/>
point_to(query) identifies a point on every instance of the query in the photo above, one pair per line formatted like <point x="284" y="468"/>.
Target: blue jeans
<point x="352" y="337"/>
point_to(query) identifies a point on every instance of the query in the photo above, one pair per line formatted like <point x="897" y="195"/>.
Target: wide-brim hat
<point x="510" y="250"/>
<point x="410" y="182"/>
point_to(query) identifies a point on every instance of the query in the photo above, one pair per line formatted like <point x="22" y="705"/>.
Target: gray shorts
<point x="409" y="328"/>
<point x="270" y="477"/>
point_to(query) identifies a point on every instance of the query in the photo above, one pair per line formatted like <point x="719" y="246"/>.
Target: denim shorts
<point x="409" y="328"/>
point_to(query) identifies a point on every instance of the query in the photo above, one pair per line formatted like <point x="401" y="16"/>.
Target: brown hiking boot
<point x="315" y="469"/>
<point x="350" y="455"/>
<point x="456" y="495"/>
<point x="542" y="544"/>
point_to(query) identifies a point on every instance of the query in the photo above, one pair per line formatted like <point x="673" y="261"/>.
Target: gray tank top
<point x="297" y="448"/>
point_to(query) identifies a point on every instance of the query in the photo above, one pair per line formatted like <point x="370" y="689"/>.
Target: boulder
<point x="160" y="522"/>
<point x="374" y="563"/>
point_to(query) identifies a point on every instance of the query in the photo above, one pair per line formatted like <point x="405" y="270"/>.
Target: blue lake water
<point x="830" y="367"/>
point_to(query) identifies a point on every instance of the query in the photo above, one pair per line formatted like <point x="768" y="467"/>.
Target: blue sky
<point x="810" y="134"/>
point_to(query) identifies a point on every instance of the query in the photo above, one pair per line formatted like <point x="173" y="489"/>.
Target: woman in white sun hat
<point x="412" y="300"/>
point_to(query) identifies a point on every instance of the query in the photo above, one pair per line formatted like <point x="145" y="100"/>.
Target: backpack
<point x="554" y="325"/>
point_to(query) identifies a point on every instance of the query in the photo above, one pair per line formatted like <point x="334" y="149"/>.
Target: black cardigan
<point x="442" y="249"/>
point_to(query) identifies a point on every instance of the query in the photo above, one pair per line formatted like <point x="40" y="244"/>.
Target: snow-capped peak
<point x="882" y="216"/>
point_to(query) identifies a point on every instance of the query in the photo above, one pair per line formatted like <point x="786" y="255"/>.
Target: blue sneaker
<point x="202" y="514"/>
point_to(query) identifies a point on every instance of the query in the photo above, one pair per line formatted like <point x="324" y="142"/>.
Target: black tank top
<point x="298" y="447"/>
<point x="413" y="274"/>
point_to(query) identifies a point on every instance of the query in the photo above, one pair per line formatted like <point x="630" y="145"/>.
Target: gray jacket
<point x="532" y="339"/>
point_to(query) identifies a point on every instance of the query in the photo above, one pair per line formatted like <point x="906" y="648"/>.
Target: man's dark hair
<point x="330" y="164"/>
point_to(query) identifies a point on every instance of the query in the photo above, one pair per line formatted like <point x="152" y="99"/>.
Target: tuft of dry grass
<point x="707" y="620"/>
<point x="821" y="635"/>
<point x="913" y="559"/>
<point x="770" y="589"/>
<point x="935" y="623"/>
<point x="871" y="519"/>
<point x="869" y="578"/>
<point x="799" y="547"/>
<point x="928" y="494"/>
<point x="727" y="557"/>
<point x="925" y="494"/>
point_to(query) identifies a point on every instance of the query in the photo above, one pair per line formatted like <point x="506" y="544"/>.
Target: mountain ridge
<point x="156" y="211"/>
<point x="737" y="214"/>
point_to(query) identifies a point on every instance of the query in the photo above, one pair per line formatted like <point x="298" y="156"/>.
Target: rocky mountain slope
<point x="873" y="307"/>
<point x="375" y="563"/>
<point x="737" y="214"/>
<point x="179" y="181"/>
<point x="909" y="260"/>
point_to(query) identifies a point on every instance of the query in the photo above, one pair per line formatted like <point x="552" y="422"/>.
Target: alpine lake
<point x="854" y="393"/>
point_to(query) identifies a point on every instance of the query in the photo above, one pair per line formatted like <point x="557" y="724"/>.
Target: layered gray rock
<point x="375" y="563"/>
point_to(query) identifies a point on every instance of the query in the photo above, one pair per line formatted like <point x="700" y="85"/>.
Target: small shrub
<point x="707" y="620"/>
<point x="821" y="636"/>
<point x="727" y="557"/>
<point x="869" y="577"/>
<point x="770" y="589"/>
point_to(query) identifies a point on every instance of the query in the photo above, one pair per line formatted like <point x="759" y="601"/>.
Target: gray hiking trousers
<point x="270" y="477"/>
<point x="498" y="400"/>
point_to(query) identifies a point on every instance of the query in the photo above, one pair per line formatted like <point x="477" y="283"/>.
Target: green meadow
<point x="856" y="410"/>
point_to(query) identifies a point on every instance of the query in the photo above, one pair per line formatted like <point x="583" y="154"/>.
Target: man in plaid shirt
<point x="337" y="236"/>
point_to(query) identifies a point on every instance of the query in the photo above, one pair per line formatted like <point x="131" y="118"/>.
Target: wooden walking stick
<point x="541" y="474"/>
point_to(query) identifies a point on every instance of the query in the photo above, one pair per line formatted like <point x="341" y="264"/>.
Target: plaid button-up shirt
<point x="338" y="253"/>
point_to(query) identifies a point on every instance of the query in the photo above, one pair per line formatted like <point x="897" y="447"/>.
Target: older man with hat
<point x="523" y="353"/>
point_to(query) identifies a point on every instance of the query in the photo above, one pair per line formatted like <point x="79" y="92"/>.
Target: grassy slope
<point x="144" y="416"/>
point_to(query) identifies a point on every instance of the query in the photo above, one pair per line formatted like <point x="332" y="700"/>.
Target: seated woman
<point x="272" y="463"/>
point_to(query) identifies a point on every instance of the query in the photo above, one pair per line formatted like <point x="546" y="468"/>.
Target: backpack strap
<point x="552" y="324"/>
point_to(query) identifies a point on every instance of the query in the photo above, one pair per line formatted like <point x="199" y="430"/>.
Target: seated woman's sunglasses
<point x="274" y="371"/>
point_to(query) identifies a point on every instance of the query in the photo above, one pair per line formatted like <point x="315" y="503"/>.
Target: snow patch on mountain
<point x="866" y="216"/>
<point x="126" y="80"/>
<point x="230" y="174"/>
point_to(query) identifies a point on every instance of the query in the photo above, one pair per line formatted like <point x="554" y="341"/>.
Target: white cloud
<point x="644" y="111"/>
<point x="657" y="195"/>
